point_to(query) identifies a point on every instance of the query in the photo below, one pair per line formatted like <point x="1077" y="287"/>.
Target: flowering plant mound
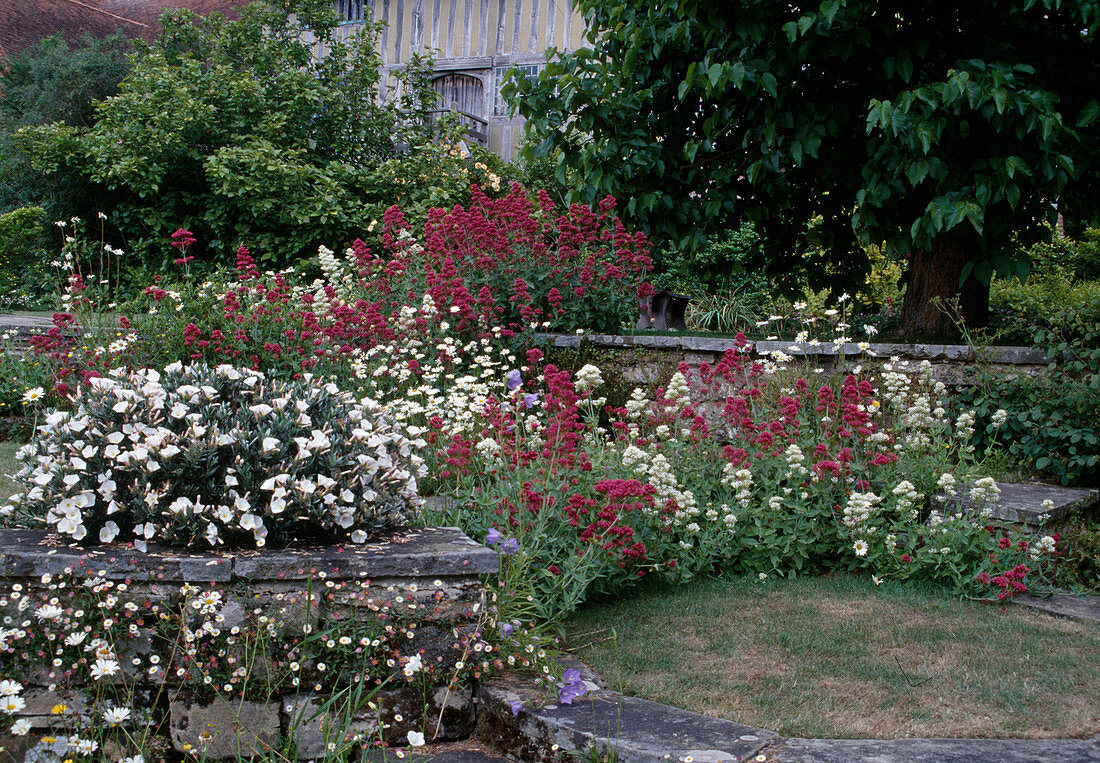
<point x="218" y="456"/>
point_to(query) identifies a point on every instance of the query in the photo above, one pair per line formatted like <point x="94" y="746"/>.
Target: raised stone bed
<point x="433" y="571"/>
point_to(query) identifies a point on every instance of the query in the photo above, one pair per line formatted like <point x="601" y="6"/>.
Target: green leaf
<point x="714" y="73"/>
<point x="1088" y="114"/>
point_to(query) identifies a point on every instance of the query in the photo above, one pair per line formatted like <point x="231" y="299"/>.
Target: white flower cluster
<point x="678" y="392"/>
<point x="220" y="454"/>
<point x="1045" y="545"/>
<point x="859" y="508"/>
<point x="588" y="378"/>
<point x="906" y="495"/>
<point x="741" y="481"/>
<point x="336" y="272"/>
<point x="985" y="491"/>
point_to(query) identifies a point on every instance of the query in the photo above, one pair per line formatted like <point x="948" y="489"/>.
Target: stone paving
<point x="1023" y="502"/>
<point x="640" y="731"/>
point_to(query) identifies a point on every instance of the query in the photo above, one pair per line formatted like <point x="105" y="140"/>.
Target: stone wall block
<point x="225" y="729"/>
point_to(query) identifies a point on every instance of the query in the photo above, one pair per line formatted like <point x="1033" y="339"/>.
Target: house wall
<point x="475" y="37"/>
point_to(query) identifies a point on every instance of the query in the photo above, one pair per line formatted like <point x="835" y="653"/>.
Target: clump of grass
<point x="838" y="657"/>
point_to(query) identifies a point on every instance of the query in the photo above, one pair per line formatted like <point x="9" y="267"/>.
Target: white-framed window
<point x="500" y="76"/>
<point x="350" y="11"/>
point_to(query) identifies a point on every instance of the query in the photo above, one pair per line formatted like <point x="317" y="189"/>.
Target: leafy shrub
<point x="25" y="277"/>
<point x="235" y="130"/>
<point x="218" y="456"/>
<point x="1051" y="423"/>
<point x="53" y="82"/>
<point x="730" y="262"/>
<point x="1077" y="564"/>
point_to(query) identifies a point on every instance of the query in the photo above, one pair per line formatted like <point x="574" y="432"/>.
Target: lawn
<point x="838" y="657"/>
<point x="8" y="467"/>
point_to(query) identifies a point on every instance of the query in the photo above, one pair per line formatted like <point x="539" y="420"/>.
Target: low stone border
<point x="951" y="364"/>
<point x="641" y="731"/>
<point x="435" y="570"/>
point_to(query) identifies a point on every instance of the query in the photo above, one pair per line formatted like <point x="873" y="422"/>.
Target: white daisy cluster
<point x="453" y="381"/>
<point x="223" y="455"/>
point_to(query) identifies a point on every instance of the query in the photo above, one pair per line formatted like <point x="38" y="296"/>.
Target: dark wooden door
<point x="466" y="95"/>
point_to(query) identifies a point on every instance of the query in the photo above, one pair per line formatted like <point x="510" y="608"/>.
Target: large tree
<point x="948" y="131"/>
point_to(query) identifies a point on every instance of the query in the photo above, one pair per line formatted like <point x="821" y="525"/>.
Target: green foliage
<point x="51" y="83"/>
<point x="1078" y="562"/>
<point x="236" y="131"/>
<point x="18" y="228"/>
<point x="702" y="114"/>
<point x="25" y="275"/>
<point x="1052" y="423"/>
<point x="732" y="260"/>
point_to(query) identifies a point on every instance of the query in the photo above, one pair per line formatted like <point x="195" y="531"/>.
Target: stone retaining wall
<point x="647" y="358"/>
<point x="434" y="571"/>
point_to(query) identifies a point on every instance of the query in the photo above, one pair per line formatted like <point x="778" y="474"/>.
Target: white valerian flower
<point x="588" y="378"/>
<point x="999" y="417"/>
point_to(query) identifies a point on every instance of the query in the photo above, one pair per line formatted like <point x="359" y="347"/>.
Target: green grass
<point x="837" y="657"/>
<point x="8" y="467"/>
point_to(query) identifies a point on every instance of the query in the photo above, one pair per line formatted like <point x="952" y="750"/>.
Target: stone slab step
<point x="1022" y="502"/>
<point x="935" y="751"/>
<point x="640" y="731"/>
<point x="1062" y="605"/>
<point x="636" y="730"/>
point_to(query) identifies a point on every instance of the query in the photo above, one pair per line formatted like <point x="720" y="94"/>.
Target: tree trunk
<point x="934" y="300"/>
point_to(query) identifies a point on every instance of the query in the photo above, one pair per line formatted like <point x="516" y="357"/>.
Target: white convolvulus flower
<point x="416" y="738"/>
<point x="108" y="532"/>
<point x="270" y="445"/>
<point x="412" y="666"/>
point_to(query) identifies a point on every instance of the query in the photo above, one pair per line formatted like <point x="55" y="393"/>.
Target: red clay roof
<point x="24" y="22"/>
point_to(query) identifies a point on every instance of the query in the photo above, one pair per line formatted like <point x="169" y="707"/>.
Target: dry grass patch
<point x="838" y="657"/>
